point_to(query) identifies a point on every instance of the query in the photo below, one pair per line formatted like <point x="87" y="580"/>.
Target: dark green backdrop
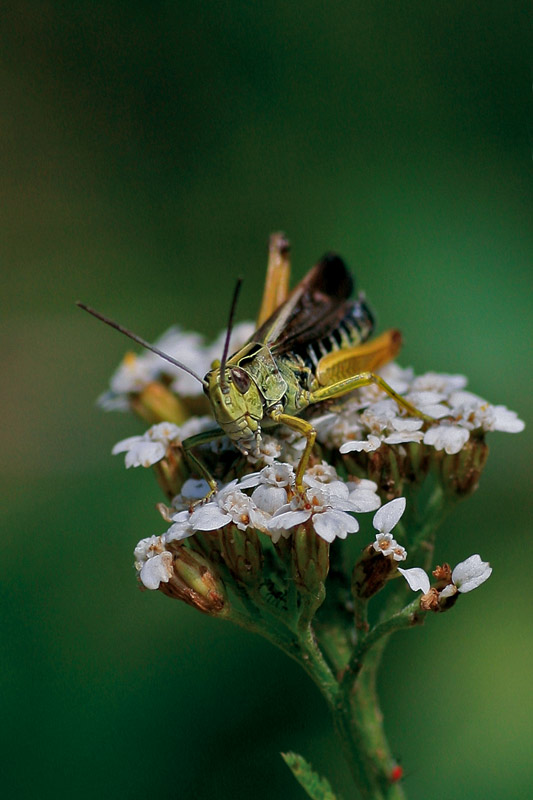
<point x="147" y="150"/>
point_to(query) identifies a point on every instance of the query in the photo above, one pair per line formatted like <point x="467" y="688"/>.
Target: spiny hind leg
<point x="307" y="430"/>
<point x="365" y="379"/>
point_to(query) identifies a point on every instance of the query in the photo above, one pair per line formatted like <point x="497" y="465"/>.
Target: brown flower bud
<point x="430" y="601"/>
<point x="196" y="582"/>
<point x="371" y="573"/>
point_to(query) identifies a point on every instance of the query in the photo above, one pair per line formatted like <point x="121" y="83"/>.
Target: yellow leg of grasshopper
<point x="194" y="461"/>
<point x="305" y="428"/>
<point x="356" y="382"/>
<point x="276" y="288"/>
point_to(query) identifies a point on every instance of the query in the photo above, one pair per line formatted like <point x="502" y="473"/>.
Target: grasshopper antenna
<point x="223" y="384"/>
<point x="140" y="341"/>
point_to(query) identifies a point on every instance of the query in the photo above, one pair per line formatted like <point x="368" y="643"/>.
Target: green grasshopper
<point x="310" y="345"/>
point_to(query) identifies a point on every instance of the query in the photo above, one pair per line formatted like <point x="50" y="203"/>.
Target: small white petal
<point x="364" y="500"/>
<point x="157" y="570"/>
<point x="195" y="488"/>
<point x="181" y="529"/>
<point x="450" y="438"/>
<point x="435" y="410"/>
<point x="362" y="483"/>
<point x="471" y="573"/>
<point x="507" y="421"/>
<point x="334" y="524"/>
<point x="269" y="498"/>
<point x="366" y="445"/>
<point x="209" y="518"/>
<point x="252" y="479"/>
<point x="407" y="424"/>
<point x="126" y="444"/>
<point x="401" y="437"/>
<point x="144" y="454"/>
<point x="389" y="515"/>
<point x="288" y="520"/>
<point x="416" y="578"/>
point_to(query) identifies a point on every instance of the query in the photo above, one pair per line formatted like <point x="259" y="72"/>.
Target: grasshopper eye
<point x="241" y="379"/>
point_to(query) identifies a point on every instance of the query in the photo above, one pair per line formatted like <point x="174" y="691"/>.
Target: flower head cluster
<point x="263" y="501"/>
<point x="151" y="447"/>
<point x="366" y="419"/>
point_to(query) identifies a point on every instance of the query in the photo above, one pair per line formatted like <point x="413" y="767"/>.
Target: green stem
<point x="406" y="618"/>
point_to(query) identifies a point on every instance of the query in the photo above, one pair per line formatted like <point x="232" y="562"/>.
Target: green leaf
<point x="316" y="787"/>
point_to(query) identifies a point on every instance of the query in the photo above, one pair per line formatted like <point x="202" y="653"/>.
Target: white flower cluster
<point x="137" y="371"/>
<point x="272" y="507"/>
<point x="366" y="419"/>
<point x="466" y="576"/>
<point x="151" y="447"/>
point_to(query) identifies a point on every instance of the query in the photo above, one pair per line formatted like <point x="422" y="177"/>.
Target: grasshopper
<point x="310" y="345"/>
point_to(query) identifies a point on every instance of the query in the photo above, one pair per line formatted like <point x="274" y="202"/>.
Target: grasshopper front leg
<point x="305" y="428"/>
<point x="196" y="463"/>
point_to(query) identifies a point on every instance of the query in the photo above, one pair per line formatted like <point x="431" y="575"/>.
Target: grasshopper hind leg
<point x="357" y="382"/>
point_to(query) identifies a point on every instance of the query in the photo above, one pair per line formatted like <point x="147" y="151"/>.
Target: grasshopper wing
<point x="313" y="309"/>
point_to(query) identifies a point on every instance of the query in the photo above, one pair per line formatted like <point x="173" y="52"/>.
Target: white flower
<point x="506" y="421"/>
<point x="325" y="507"/>
<point x="269" y="451"/>
<point x="270" y="484"/>
<point x="153" y="562"/>
<point x="471" y="573"/>
<point x="399" y="553"/>
<point x="180" y="529"/>
<point x="229" y="505"/>
<point x="447" y="437"/>
<point x="384" y="521"/>
<point x="277" y="474"/>
<point x="320" y="474"/>
<point x="439" y="382"/>
<point x="384" y="543"/>
<point x="148" y="449"/>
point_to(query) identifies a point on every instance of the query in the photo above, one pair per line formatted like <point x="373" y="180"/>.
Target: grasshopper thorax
<point x="237" y="405"/>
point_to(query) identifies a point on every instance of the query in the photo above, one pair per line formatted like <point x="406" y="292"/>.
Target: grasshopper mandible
<point x="310" y="345"/>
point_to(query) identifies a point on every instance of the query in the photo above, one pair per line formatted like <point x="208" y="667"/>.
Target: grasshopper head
<point x="237" y="405"/>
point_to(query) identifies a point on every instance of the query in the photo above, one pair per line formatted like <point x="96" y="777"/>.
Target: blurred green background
<point x="147" y="151"/>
